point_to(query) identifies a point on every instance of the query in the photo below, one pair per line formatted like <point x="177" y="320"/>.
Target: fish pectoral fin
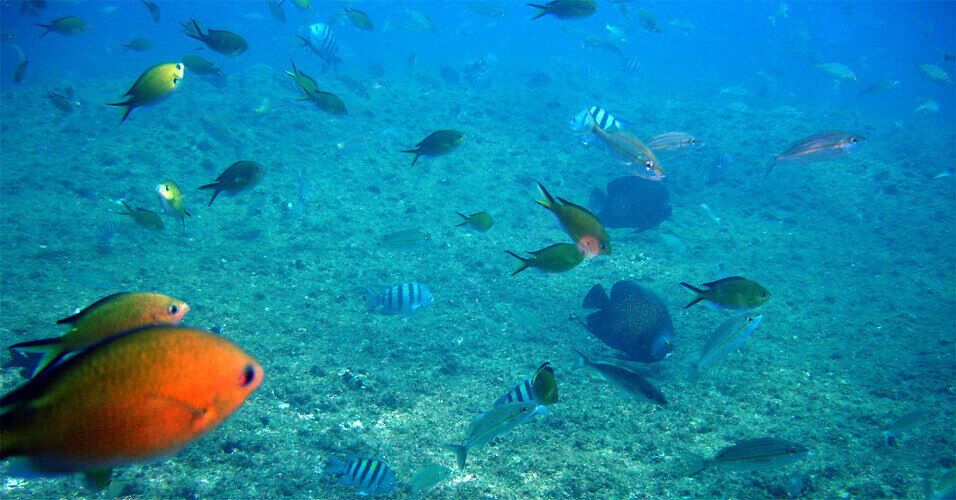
<point x="200" y="415"/>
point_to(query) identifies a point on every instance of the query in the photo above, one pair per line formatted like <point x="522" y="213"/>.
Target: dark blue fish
<point x="631" y="202"/>
<point x="632" y="320"/>
<point x="370" y="476"/>
<point x="405" y="299"/>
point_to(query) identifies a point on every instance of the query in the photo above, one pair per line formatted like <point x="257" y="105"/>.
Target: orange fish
<point x="580" y="224"/>
<point x="105" y="317"/>
<point x="139" y="396"/>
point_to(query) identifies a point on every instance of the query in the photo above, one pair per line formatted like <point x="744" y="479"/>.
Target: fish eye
<point x="603" y="246"/>
<point x="248" y="376"/>
<point x="173" y="309"/>
<point x="763" y="294"/>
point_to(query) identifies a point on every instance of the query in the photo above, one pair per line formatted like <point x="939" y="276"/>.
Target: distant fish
<point x="406" y="239"/>
<point x="749" y="455"/>
<point x="648" y="21"/>
<point x="556" y="258"/>
<point x="437" y="143"/>
<point x="153" y="10"/>
<point x="881" y="85"/>
<point x="905" y="423"/>
<point x="719" y="167"/>
<point x="934" y="72"/>
<point x="540" y="389"/>
<point x="487" y="9"/>
<point x="322" y="43"/>
<point x="627" y="381"/>
<point x="480" y="221"/>
<point x="736" y="91"/>
<point x="224" y="42"/>
<point x="405" y="299"/>
<point x="497" y="422"/>
<point x="69" y="25"/>
<point x="61" y="102"/>
<point x="275" y="8"/>
<point x="631" y="65"/>
<point x="837" y="71"/>
<point x="927" y="106"/>
<point x="730" y="335"/>
<point x="21" y="71"/>
<point x="674" y="142"/>
<point x="538" y="79"/>
<point x="782" y="12"/>
<point x="240" y="176"/>
<point x="426" y="479"/>
<point x="818" y="147"/>
<point x="215" y="129"/>
<point x="143" y="217"/>
<point x="566" y="9"/>
<point x="419" y="21"/>
<point x="138" y="44"/>
<point x="370" y="476"/>
<point x="200" y="66"/>
<point x="358" y="18"/>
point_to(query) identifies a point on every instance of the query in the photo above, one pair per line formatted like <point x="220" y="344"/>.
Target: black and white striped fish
<point x="540" y="388"/>
<point x="405" y="299"/>
<point x="320" y="40"/>
<point x="603" y="117"/>
<point x="370" y="475"/>
<point x="631" y="65"/>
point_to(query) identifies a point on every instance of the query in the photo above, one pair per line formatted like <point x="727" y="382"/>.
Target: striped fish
<point x="540" y="389"/>
<point x="725" y="340"/>
<point x="749" y="455"/>
<point x="629" y="150"/>
<point x="370" y="475"/>
<point x="321" y="41"/>
<point x="631" y="65"/>
<point x="426" y="479"/>
<point x="405" y="299"/>
<point x="603" y="117"/>
<point x="499" y="421"/>
<point x="818" y="147"/>
<point x="674" y="142"/>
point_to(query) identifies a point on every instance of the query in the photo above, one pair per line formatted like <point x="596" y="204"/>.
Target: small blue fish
<point x="370" y="475"/>
<point x="405" y="299"/>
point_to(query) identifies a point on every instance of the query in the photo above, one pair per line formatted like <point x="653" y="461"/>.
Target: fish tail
<point x="125" y="111"/>
<point x="890" y="439"/>
<point x="48" y="27"/>
<point x="698" y="291"/>
<point x="463" y="216"/>
<point x="769" y="166"/>
<point x="216" y="190"/>
<point x="198" y="35"/>
<point x="371" y="299"/>
<point x="50" y="350"/>
<point x="129" y="211"/>
<point x="522" y="265"/>
<point x="544" y="10"/>
<point x="461" y="453"/>
<point x="580" y="360"/>
<point x="695" y="463"/>
<point x="548" y="202"/>
<point x="417" y="154"/>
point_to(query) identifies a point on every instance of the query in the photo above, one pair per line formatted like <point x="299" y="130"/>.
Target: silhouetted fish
<point x="633" y="320"/>
<point x="631" y="202"/>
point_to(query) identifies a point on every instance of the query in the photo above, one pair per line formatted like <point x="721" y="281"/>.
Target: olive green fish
<point x="749" y="455"/>
<point x="326" y="101"/>
<point x="556" y="258"/>
<point x="69" y="25"/>
<point x="497" y="422"/>
<point x="580" y="224"/>
<point x="200" y="66"/>
<point x="437" y="143"/>
<point x="359" y="19"/>
<point x="143" y="217"/>
<point x="138" y="45"/>
<point x="566" y="9"/>
<point x="480" y="221"/>
<point x="305" y="82"/>
<point x="21" y="71"/>
<point x="224" y="42"/>
<point x="730" y="293"/>
<point x="240" y="176"/>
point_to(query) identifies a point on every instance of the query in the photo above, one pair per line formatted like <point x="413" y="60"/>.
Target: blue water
<point x="859" y="252"/>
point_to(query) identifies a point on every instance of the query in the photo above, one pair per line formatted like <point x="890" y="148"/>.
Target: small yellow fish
<point x="154" y="85"/>
<point x="171" y="200"/>
<point x="143" y="217"/>
<point x="480" y="221"/>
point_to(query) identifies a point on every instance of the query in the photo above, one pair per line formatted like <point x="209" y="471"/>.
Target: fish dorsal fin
<point x="74" y="318"/>
<point x="722" y="280"/>
<point x="596" y="298"/>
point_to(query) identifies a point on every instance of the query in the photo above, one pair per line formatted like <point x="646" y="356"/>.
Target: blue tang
<point x="632" y="320"/>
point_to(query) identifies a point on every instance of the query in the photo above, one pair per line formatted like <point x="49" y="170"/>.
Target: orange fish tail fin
<point x="698" y="291"/>
<point x="548" y="202"/>
<point x="522" y="265"/>
<point x="50" y="351"/>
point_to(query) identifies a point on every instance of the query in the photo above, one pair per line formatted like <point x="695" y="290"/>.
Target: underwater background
<point x="858" y="252"/>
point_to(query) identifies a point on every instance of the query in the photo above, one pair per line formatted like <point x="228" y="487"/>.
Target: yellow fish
<point x="171" y="200"/>
<point x="154" y="85"/>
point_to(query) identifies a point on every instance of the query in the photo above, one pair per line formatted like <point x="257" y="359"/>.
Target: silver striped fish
<point x="749" y="455"/>
<point x="405" y="299"/>
<point x="725" y="340"/>
<point x="818" y="147"/>
<point x="370" y="476"/>
<point x="674" y="142"/>
<point x="604" y="119"/>
<point x="540" y="389"/>
<point x="497" y="422"/>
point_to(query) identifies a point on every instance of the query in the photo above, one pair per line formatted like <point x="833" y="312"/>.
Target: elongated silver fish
<point x="631" y="383"/>
<point x="426" y="479"/>
<point x="674" y="142"/>
<point x="497" y="422"/>
<point x="818" y="147"/>
<point x="905" y="423"/>
<point x="749" y="455"/>
<point x="725" y="340"/>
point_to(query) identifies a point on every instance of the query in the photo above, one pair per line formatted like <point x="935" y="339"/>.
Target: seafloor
<point x="858" y="255"/>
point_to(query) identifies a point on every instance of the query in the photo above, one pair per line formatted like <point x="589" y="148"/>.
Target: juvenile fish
<point x="730" y="335"/>
<point x="497" y="422"/>
<point x="405" y="299"/>
<point x="370" y="476"/>
<point x="624" y="379"/>
<point x="749" y="455"/>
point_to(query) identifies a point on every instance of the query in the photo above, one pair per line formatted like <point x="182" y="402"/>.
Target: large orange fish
<point x="138" y="396"/>
<point x="580" y="224"/>
<point x="104" y="318"/>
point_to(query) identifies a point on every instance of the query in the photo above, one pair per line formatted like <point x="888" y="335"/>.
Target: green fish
<point x="224" y="42"/>
<point x="480" y="221"/>
<point x="200" y="66"/>
<point x="305" y="82"/>
<point x="437" y="143"/>
<point x="143" y="217"/>
<point x="326" y="101"/>
<point x="566" y="9"/>
<point x="556" y="258"/>
<point x="749" y="455"/>
<point x="240" y="176"/>
<point x="730" y="293"/>
<point x="580" y="224"/>
<point x="499" y="421"/>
